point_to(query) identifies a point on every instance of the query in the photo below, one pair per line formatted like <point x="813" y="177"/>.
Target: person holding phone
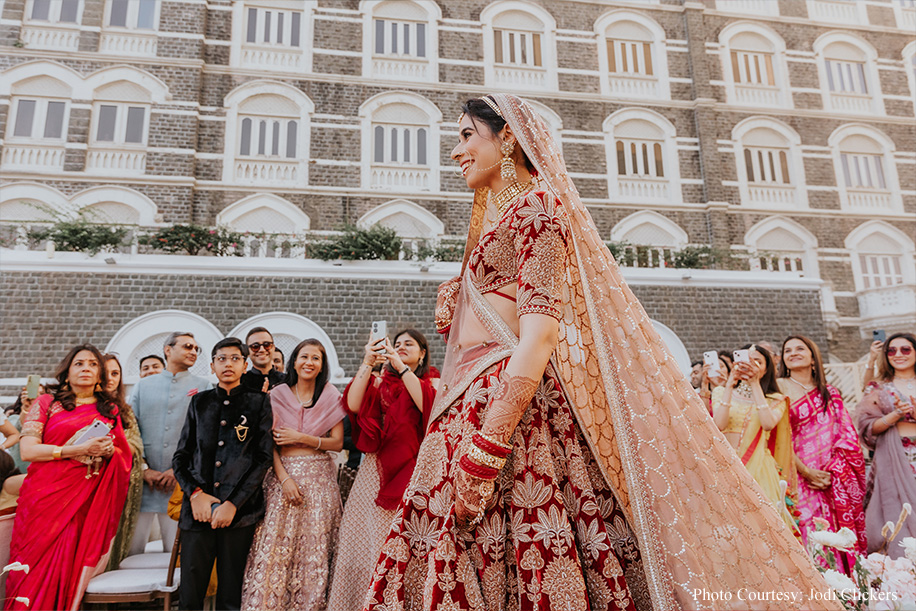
<point x="886" y="421"/>
<point x="828" y="456"/>
<point x="71" y="501"/>
<point x="753" y="414"/>
<point x="388" y="418"/>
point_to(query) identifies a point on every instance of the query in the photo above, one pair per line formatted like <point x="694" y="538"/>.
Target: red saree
<point x="65" y="522"/>
<point x="389" y="425"/>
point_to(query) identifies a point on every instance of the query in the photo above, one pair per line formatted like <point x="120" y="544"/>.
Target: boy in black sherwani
<point x="223" y="454"/>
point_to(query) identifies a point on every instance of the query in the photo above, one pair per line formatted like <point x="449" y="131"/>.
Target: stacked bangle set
<point x="485" y="457"/>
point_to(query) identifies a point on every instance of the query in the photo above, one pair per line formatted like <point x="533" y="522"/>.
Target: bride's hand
<point x="468" y="499"/>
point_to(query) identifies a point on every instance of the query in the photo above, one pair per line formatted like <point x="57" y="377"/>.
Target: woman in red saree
<point x="828" y="457"/>
<point x="388" y="415"/>
<point x="73" y="495"/>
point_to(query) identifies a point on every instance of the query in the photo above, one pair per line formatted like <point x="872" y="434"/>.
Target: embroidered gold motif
<point x="241" y="431"/>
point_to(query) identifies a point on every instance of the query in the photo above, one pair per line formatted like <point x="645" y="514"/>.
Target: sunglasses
<point x="256" y="347"/>
<point x="904" y="350"/>
<point x="189" y="346"/>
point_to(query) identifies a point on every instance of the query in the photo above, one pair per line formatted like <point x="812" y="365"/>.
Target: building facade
<point x="781" y="131"/>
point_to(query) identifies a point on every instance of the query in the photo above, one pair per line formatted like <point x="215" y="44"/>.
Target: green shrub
<point x="355" y="244"/>
<point x="81" y="235"/>
<point x="192" y="238"/>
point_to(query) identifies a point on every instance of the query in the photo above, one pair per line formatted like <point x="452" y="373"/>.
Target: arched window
<point x="849" y="75"/>
<point x="288" y="330"/>
<point x="838" y="11"/>
<point x="770" y="167"/>
<point x="24" y="202"/>
<point x="130" y="27"/>
<point x="273" y="35"/>
<point x="400" y="40"/>
<point x="38" y="122"/>
<point x="120" y="124"/>
<point x="146" y="335"/>
<point x="884" y="269"/>
<point x="648" y="238"/>
<point x="115" y="205"/>
<point x="401" y="142"/>
<point x="641" y="157"/>
<point x="52" y="24"/>
<point x="406" y="218"/>
<point x="909" y="65"/>
<point x="780" y="244"/>
<point x="264" y="213"/>
<point x="753" y="58"/>
<point x="866" y="173"/>
<point x="270" y="142"/>
<point x="632" y="56"/>
<point x="519" y="46"/>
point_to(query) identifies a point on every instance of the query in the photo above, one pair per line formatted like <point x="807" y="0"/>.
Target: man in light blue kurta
<point x="161" y="404"/>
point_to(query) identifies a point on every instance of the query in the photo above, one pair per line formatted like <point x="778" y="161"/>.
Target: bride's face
<point x="477" y="153"/>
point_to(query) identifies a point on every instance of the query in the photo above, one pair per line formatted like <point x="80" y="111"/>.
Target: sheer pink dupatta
<point x="702" y="522"/>
<point x="316" y="420"/>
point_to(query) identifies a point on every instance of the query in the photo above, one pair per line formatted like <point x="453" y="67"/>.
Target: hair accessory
<point x="507" y="165"/>
<point x="492" y="104"/>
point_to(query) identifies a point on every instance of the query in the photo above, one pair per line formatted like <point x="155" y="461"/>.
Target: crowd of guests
<point x="797" y="439"/>
<point x="260" y="497"/>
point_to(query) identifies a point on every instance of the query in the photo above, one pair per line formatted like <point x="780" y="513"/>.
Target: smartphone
<point x="96" y="429"/>
<point x="742" y="356"/>
<point x="711" y="358"/>
<point x="878" y="335"/>
<point x="379" y="332"/>
<point x="31" y="386"/>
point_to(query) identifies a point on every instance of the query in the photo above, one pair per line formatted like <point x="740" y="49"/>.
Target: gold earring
<point x="98" y="387"/>
<point x="507" y="166"/>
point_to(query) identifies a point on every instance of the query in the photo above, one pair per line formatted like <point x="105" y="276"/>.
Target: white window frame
<point x="808" y="253"/>
<point x="232" y="151"/>
<point x="547" y="43"/>
<point x="275" y="136"/>
<point x="889" y="167"/>
<point x="670" y="157"/>
<point x="55" y="9"/>
<point x="796" y="188"/>
<point x="120" y="127"/>
<point x="875" y="103"/>
<point x="39" y="120"/>
<point x="903" y="247"/>
<point x="909" y="65"/>
<point x="659" y="52"/>
<point x="905" y="12"/>
<point x="780" y="86"/>
<point x="281" y="53"/>
<point x="400" y="66"/>
<point x="133" y="13"/>
<point x="369" y="121"/>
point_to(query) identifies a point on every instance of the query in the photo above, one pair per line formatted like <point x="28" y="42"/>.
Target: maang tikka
<point x="507" y="165"/>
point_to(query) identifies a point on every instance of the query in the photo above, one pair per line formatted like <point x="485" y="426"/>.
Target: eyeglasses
<point x="188" y="346"/>
<point x="235" y="358"/>
<point x="256" y="347"/>
<point x="904" y="350"/>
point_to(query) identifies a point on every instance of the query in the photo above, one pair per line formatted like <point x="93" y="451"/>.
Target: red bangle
<point x="489" y="447"/>
<point x="480" y="471"/>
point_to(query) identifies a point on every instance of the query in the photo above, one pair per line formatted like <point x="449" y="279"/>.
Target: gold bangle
<point x="504" y="446"/>
<point x="487" y="460"/>
<point x="56" y="452"/>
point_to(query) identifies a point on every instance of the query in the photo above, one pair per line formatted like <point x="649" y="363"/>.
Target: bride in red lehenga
<point x="568" y="463"/>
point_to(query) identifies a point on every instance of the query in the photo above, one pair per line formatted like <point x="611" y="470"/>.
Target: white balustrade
<point x="851" y="102"/>
<point x="114" y="161"/>
<point x="400" y="177"/>
<point x="268" y="57"/>
<point x="642" y="188"/>
<point x="769" y="194"/>
<point x="33" y="157"/>
<point x="519" y="76"/>
<point x="633" y="86"/>
<point x="396" y="68"/>
<point x="888" y="302"/>
<point x="780" y="262"/>
<point x="907" y="17"/>
<point x="128" y="43"/>
<point x="769" y="8"/>
<point x="834" y="11"/>
<point x="272" y="170"/>
<point x="757" y="95"/>
<point x="869" y="199"/>
<point x="36" y="35"/>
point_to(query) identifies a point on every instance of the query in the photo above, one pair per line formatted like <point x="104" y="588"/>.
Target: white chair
<point x="140" y="583"/>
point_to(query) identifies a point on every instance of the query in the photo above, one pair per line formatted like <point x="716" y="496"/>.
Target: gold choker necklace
<point x="508" y="195"/>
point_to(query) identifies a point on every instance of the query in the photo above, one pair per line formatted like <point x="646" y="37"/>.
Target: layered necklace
<point x="507" y="195"/>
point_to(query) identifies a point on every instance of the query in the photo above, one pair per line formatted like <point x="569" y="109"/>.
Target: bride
<point x="568" y="463"/>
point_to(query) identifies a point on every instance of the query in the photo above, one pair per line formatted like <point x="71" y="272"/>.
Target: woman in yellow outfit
<point x="754" y="417"/>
